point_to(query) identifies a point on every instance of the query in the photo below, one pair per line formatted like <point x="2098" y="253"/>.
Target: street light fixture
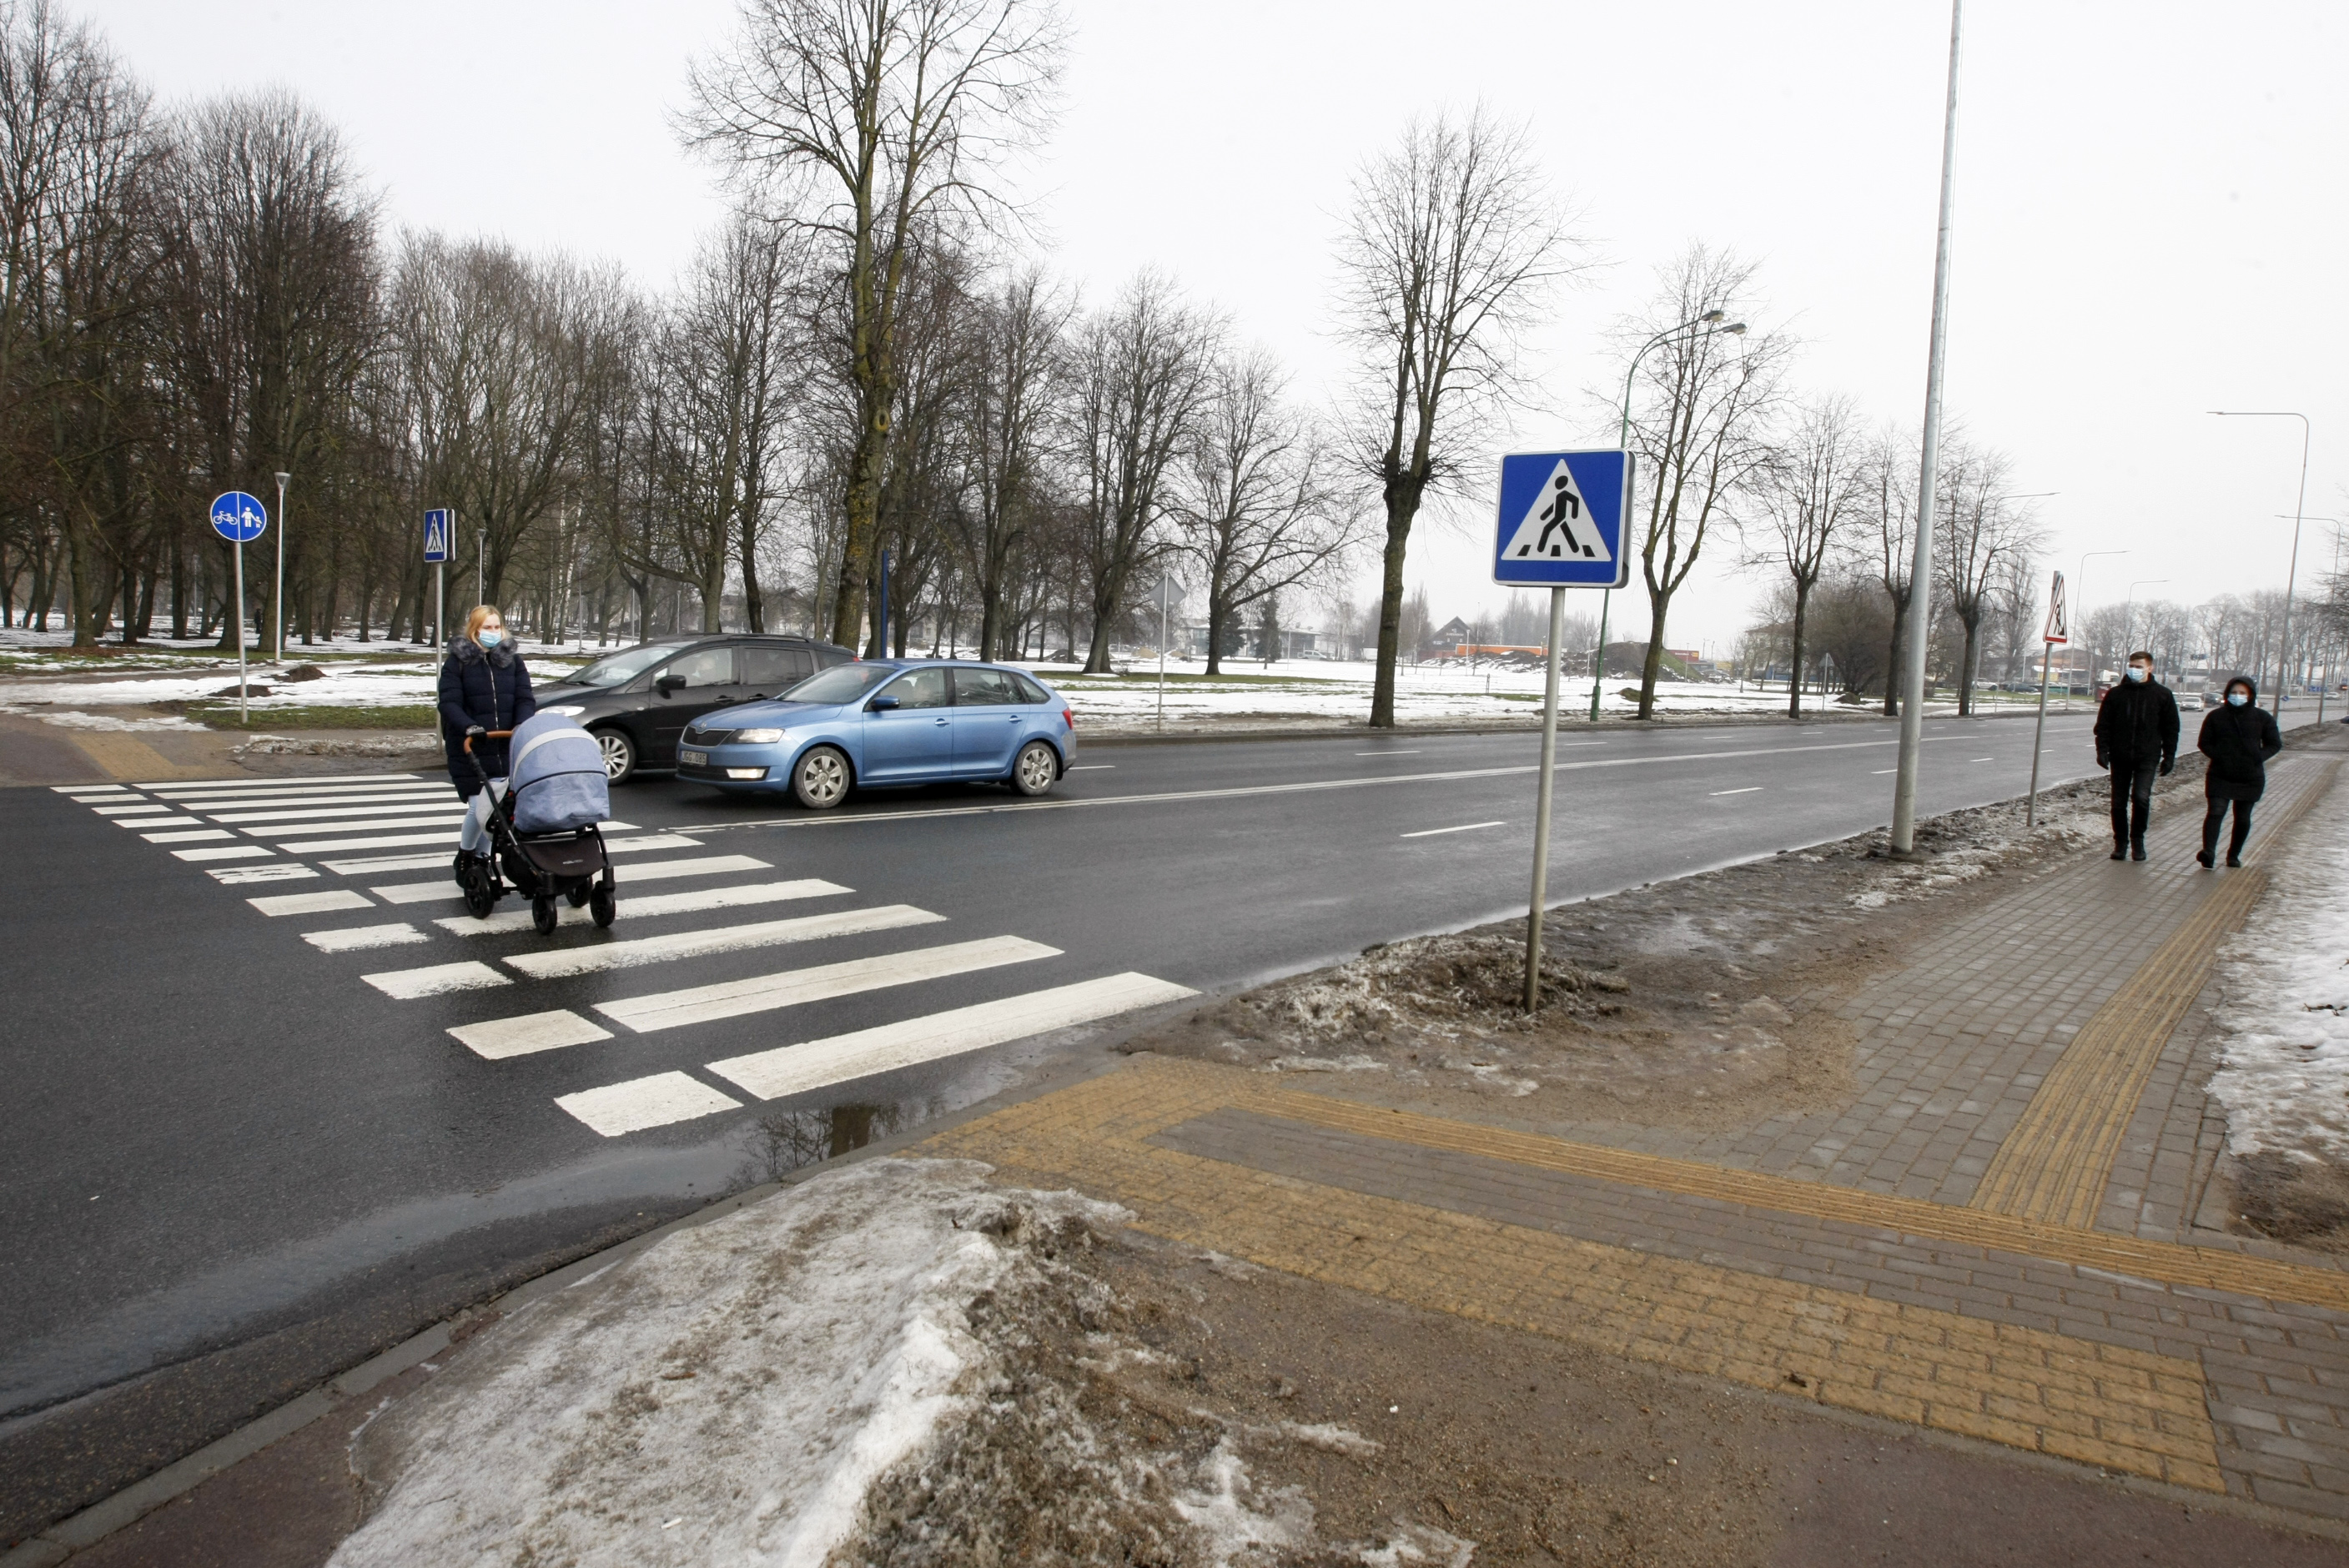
<point x="280" y="633"/>
<point x="1712" y="322"/>
<point x="2284" y="648"/>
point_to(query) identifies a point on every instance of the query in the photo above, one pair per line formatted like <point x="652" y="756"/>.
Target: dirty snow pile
<point x="891" y="1363"/>
<point x="71" y="719"/>
<point x="2283" y="1064"/>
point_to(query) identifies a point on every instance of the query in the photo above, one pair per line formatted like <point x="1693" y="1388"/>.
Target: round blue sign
<point x="238" y="516"/>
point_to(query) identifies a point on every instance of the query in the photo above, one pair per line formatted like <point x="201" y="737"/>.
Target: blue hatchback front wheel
<point x="820" y="778"/>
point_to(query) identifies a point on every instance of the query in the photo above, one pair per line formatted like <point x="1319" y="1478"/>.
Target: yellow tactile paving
<point x="124" y="757"/>
<point x="2055" y="1162"/>
<point x="2123" y="1409"/>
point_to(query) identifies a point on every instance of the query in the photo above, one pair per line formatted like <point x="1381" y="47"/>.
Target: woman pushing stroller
<point x="483" y="685"/>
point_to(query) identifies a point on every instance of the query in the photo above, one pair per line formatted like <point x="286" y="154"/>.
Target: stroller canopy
<point x="556" y="776"/>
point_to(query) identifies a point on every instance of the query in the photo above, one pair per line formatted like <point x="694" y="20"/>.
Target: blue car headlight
<point x="757" y="737"/>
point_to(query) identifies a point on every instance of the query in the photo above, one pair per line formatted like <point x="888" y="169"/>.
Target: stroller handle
<point x="486" y="735"/>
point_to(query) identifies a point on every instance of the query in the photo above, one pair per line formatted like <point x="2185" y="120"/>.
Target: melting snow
<point x="2284" y="1063"/>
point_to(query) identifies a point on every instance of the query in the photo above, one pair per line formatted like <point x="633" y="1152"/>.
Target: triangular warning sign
<point x="1557" y="526"/>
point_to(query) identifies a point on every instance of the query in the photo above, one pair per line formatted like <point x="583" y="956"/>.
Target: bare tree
<point x="1018" y="360"/>
<point x="877" y="123"/>
<point x="1702" y="426"/>
<point x="1983" y="531"/>
<point x="1258" y="513"/>
<point x="1136" y="395"/>
<point x="1812" y="496"/>
<point x="1891" y="505"/>
<point x="1445" y="259"/>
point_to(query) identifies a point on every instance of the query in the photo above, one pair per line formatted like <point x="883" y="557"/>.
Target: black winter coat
<point x="488" y="687"/>
<point x="2238" y="741"/>
<point x="2137" y="722"/>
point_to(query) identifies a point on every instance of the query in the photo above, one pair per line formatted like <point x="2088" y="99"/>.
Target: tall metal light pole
<point x="2283" y="643"/>
<point x="1920" y="572"/>
<point x="1710" y="319"/>
<point x="2128" y="606"/>
<point x="2080" y="614"/>
<point x="279" y="635"/>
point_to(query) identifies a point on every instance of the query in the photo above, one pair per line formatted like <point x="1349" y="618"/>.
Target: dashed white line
<point x="658" y="903"/>
<point x="310" y="903"/>
<point x="498" y="1039"/>
<point x="359" y="938"/>
<point x="1093" y="767"/>
<point x="1463" y="828"/>
<point x="1748" y="789"/>
<point x="406" y="984"/>
<point x="188" y="836"/>
<point x="1398" y="751"/>
<point x="225" y="852"/>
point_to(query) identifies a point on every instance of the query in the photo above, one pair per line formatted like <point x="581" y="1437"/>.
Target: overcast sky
<point x="2150" y="206"/>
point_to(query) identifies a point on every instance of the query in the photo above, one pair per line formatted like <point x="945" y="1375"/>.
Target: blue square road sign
<point x="1564" y="519"/>
<point x="440" y="524"/>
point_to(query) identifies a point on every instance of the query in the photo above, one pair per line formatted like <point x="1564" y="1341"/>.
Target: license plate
<point x="693" y="758"/>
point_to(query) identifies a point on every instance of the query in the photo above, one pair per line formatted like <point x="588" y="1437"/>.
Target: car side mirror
<point x="880" y="705"/>
<point x="669" y="684"/>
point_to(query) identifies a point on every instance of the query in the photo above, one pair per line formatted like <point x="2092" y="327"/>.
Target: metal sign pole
<point x="1162" y="652"/>
<point x="243" y="714"/>
<point x="1541" y="805"/>
<point x="2058" y="631"/>
<point x="440" y="604"/>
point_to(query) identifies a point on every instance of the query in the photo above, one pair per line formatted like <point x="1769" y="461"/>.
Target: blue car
<point x="886" y="722"/>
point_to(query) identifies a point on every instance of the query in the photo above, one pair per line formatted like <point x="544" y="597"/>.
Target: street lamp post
<point x="1711" y="320"/>
<point x="2080" y="581"/>
<point x="1921" y="572"/>
<point x="280" y="631"/>
<point x="2284" y="648"/>
<point x="2128" y="606"/>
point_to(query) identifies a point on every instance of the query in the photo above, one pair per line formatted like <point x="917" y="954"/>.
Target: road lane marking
<point x="1985" y="759"/>
<point x="421" y="795"/>
<point x="1463" y="828"/>
<point x="1879" y="771"/>
<point x="658" y="904"/>
<point x="449" y="818"/>
<point x="225" y="852"/>
<point x="1172" y="796"/>
<point x="330" y="781"/>
<point x="188" y="836"/>
<point x="1398" y="751"/>
<point x="143" y="823"/>
<point x="1090" y="767"/>
<point x="498" y="1039"/>
<point x="310" y="903"/>
<point x="129" y="810"/>
<point x="655" y="842"/>
<point x="649" y="871"/>
<point x="357" y="938"/>
<point x="1748" y="789"/>
<point x="640" y="1103"/>
<point x="817" y="1063"/>
<point x="394" y="863"/>
<point x="406" y="984"/>
<point x="791" y="987"/>
<point x="628" y="954"/>
<point x="328" y="846"/>
<point x="323" y="816"/>
<point x="78" y="790"/>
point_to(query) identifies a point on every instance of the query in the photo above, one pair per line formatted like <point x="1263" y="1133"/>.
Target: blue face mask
<point x="2237" y="699"/>
<point x="490" y="636"/>
<point x="2136" y="674"/>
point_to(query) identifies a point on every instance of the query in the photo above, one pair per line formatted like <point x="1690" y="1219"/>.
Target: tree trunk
<point x="1652" y="665"/>
<point x="1966" y="667"/>
<point x="1795" y="685"/>
<point x="1218" y="612"/>
<point x="1403" y="505"/>
<point x="1892" y="664"/>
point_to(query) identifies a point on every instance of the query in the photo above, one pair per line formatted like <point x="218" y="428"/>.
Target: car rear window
<point x="775" y="669"/>
<point x="841" y="683"/>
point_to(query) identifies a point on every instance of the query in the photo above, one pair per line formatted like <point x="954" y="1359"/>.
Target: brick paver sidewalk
<point x="1993" y="1236"/>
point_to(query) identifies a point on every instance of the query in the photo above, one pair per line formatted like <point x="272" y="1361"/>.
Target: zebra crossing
<point x="361" y="832"/>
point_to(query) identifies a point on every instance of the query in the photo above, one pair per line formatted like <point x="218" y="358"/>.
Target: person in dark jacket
<point x="2239" y="736"/>
<point x="2137" y="737"/>
<point x="482" y="682"/>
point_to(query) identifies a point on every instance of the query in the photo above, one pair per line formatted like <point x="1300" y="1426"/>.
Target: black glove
<point x="2102" y="760"/>
<point x="2167" y="764"/>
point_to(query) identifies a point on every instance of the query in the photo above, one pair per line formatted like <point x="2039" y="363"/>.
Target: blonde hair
<point x="479" y="614"/>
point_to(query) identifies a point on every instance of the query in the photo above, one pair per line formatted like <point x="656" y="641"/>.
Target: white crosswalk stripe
<point x="819" y="1064"/>
<point x="765" y="993"/>
<point x="253" y="831"/>
<point x="702" y="899"/>
<point x="629" y="953"/>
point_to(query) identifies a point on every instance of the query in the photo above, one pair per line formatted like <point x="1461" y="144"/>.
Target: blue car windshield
<point x="842" y="683"/>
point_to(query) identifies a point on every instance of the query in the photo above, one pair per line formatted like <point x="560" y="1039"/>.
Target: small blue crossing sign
<point x="1563" y="520"/>
<point x="440" y="524"/>
<point x="239" y="517"/>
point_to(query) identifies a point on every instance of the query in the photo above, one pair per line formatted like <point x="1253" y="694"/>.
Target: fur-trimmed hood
<point x="464" y="650"/>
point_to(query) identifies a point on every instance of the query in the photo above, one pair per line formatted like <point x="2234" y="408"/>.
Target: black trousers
<point x="2132" y="797"/>
<point x="2215" y="814"/>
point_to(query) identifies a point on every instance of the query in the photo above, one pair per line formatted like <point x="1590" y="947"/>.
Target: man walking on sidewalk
<point x="2137" y="737"/>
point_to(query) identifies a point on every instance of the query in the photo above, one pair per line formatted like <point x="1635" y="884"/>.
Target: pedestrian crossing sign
<point x="1562" y="518"/>
<point x="439" y="524"/>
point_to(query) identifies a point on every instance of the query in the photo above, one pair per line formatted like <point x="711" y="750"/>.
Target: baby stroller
<point x="541" y="824"/>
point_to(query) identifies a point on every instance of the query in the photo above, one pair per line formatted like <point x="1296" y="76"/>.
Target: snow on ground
<point x="2283" y="1062"/>
<point x="342" y="684"/>
<point x="71" y="719"/>
<point x="728" y="1394"/>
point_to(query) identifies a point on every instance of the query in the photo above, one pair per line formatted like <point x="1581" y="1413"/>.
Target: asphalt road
<point x="233" y="1164"/>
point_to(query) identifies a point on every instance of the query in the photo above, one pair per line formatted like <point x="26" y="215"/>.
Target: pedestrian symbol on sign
<point x="1548" y="530"/>
<point x="436" y="535"/>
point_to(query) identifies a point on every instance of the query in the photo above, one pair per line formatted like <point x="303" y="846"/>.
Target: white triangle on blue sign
<point x="1557" y="526"/>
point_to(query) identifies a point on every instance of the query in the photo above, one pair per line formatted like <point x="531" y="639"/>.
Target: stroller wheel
<point x="542" y="914"/>
<point x="603" y="904"/>
<point x="578" y="896"/>
<point x="479" y="899"/>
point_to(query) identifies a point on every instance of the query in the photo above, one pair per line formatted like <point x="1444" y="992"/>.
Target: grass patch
<point x="217" y="715"/>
